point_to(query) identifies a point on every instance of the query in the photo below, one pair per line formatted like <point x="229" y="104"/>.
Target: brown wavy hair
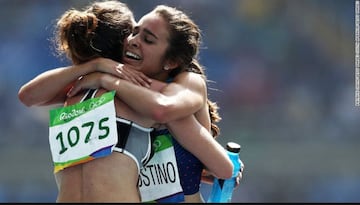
<point x="184" y="43"/>
<point x="97" y="31"/>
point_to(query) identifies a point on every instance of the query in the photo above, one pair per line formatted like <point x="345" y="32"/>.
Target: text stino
<point x="153" y="174"/>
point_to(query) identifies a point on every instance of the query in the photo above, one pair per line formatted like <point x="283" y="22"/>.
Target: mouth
<point x="132" y="56"/>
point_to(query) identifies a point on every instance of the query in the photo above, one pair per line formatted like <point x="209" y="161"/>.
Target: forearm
<point x="51" y="86"/>
<point x="161" y="108"/>
<point x="183" y="97"/>
<point x="143" y="100"/>
<point x="198" y="140"/>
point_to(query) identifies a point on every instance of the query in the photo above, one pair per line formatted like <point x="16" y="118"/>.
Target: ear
<point x="169" y="65"/>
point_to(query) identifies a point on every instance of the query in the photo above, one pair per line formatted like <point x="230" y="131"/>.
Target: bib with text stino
<point x="159" y="179"/>
<point x="82" y="132"/>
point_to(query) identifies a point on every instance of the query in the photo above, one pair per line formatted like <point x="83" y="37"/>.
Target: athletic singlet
<point x="133" y="140"/>
<point x="189" y="167"/>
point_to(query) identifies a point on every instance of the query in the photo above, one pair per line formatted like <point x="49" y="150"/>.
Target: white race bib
<point x="159" y="179"/>
<point x="82" y="132"/>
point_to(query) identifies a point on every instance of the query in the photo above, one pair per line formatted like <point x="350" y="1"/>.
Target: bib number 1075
<point x="73" y="135"/>
<point x="79" y="131"/>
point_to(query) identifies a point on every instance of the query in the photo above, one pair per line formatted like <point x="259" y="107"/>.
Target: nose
<point x="133" y="41"/>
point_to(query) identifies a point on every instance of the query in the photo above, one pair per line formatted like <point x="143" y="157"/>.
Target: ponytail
<point x="214" y="117"/>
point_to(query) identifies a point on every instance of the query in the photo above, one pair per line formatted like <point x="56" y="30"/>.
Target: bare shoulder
<point x="191" y="80"/>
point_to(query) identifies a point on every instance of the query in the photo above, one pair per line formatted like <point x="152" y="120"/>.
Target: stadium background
<point x="282" y="72"/>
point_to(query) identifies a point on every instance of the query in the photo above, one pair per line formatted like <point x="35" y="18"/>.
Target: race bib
<point x="159" y="180"/>
<point x="82" y="132"/>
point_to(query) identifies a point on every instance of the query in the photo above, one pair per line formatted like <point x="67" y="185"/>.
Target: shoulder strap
<point x="89" y="94"/>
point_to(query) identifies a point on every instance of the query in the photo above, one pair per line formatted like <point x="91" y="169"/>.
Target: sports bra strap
<point x="89" y="94"/>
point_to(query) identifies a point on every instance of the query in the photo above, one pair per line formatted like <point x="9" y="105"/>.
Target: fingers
<point x="74" y="90"/>
<point x="132" y="75"/>
<point x="238" y="179"/>
<point x="85" y="82"/>
<point x="125" y="72"/>
<point x="142" y="79"/>
<point x="240" y="175"/>
<point x="78" y="86"/>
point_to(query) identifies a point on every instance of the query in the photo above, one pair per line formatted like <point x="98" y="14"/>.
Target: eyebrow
<point x="147" y="31"/>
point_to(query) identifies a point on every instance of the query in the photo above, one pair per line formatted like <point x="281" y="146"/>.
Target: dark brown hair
<point x="184" y="43"/>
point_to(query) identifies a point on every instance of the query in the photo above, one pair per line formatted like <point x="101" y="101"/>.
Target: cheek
<point x="154" y="59"/>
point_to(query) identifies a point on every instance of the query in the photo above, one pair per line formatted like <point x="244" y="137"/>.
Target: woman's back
<point x="102" y="179"/>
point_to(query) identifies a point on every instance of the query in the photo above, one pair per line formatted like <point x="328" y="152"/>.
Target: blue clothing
<point x="189" y="167"/>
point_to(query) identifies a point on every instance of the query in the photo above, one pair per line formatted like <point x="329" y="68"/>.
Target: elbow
<point x="225" y="171"/>
<point x="24" y="97"/>
<point x="160" y="114"/>
<point x="229" y="172"/>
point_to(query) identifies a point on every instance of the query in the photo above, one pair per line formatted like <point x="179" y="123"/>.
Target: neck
<point x="161" y="76"/>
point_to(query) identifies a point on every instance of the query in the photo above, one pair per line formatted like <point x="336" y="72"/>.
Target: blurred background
<point x="282" y="72"/>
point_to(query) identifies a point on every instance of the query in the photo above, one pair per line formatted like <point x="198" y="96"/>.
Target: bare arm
<point x="197" y="140"/>
<point x="178" y="99"/>
<point x="52" y="86"/>
<point x="47" y="88"/>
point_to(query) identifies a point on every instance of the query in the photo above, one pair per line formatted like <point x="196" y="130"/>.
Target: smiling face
<point x="145" y="49"/>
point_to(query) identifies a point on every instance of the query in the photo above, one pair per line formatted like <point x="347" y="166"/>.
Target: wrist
<point x="81" y="69"/>
<point x="91" y="66"/>
<point x="109" y="82"/>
